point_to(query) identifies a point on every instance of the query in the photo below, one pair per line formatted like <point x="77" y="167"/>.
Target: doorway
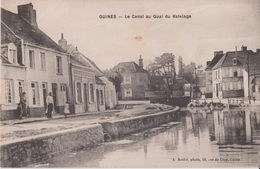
<point x="44" y="94"/>
<point x="54" y="95"/>
<point x="98" y="100"/>
<point x="85" y="97"/>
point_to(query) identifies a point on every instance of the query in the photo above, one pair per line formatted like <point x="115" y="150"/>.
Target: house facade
<point x="88" y="90"/>
<point x="230" y="76"/>
<point x="135" y="80"/>
<point x="31" y="63"/>
<point x="208" y="73"/>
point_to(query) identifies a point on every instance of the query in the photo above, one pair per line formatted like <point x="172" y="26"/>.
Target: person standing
<point x="49" y="101"/>
<point x="23" y="100"/>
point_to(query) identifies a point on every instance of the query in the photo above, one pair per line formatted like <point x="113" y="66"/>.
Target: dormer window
<point x="235" y="61"/>
<point x="122" y="70"/>
<point x="9" y="53"/>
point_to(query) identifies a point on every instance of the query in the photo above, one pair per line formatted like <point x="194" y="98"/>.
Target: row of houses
<point x="33" y="63"/>
<point x="234" y="75"/>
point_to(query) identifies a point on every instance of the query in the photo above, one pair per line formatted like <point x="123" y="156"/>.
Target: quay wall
<point x="24" y="151"/>
<point x="28" y="150"/>
<point x="122" y="127"/>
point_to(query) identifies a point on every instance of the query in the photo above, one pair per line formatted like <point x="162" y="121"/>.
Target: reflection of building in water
<point x="210" y="120"/>
<point x="171" y="138"/>
<point x="232" y="126"/>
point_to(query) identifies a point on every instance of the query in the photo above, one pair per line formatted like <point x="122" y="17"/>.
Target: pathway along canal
<point x="204" y="138"/>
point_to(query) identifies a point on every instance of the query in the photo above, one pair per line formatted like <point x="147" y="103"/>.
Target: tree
<point x="115" y="77"/>
<point x="181" y="69"/>
<point x="164" y="66"/>
<point x="189" y="72"/>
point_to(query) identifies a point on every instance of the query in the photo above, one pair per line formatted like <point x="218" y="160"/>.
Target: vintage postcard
<point x="130" y="84"/>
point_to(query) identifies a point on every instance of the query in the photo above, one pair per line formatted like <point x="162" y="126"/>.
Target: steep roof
<point x="227" y="59"/>
<point x="214" y="61"/>
<point x="27" y="32"/>
<point x="99" y="81"/>
<point x="131" y="67"/>
<point x="254" y="64"/>
<point x="77" y="58"/>
<point x="94" y="65"/>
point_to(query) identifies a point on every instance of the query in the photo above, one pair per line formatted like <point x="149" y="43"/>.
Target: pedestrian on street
<point x="49" y="101"/>
<point x="23" y="100"/>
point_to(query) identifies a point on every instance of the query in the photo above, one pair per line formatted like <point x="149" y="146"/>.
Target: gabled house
<point x="87" y="89"/>
<point x="31" y="62"/>
<point x="135" y="80"/>
<point x="230" y="76"/>
<point x="208" y="73"/>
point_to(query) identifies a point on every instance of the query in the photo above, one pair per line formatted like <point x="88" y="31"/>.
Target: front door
<point x="54" y="94"/>
<point x="98" y="99"/>
<point x="85" y="97"/>
<point x="44" y="94"/>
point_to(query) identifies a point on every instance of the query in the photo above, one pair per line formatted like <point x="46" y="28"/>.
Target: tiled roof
<point x="214" y="61"/>
<point x="94" y="65"/>
<point x="131" y="67"/>
<point x="227" y="59"/>
<point x="254" y="64"/>
<point x="30" y="34"/>
<point x="99" y="81"/>
<point x="77" y="58"/>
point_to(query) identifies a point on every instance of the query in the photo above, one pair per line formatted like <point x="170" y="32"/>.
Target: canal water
<point x="204" y="138"/>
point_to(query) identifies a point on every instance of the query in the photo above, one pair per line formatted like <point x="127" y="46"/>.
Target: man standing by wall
<point x="23" y="100"/>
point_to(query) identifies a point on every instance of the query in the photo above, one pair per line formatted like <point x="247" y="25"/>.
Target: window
<point x="101" y="97"/>
<point x="43" y="62"/>
<point x="20" y="87"/>
<point x="79" y="96"/>
<point x="239" y="85"/>
<point x="59" y="65"/>
<point x="64" y="95"/>
<point x="127" y="79"/>
<point x="227" y="86"/>
<point x="258" y="88"/>
<point x="91" y="91"/>
<point x="231" y="86"/>
<point x="235" y="85"/>
<point x="235" y="61"/>
<point x="9" y="91"/>
<point x="234" y="73"/>
<point x="122" y="70"/>
<point x="128" y="92"/>
<point x="13" y="56"/>
<point x="35" y="93"/>
<point x="31" y="59"/>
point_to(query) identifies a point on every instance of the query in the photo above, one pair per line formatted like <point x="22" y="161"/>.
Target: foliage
<point x="181" y="69"/>
<point x="163" y="66"/>
<point x="115" y="77"/>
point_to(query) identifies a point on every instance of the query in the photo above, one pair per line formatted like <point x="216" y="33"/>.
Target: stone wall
<point x="119" y="128"/>
<point x="21" y="152"/>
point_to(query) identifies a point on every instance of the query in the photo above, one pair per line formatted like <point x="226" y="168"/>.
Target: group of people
<point x="24" y="111"/>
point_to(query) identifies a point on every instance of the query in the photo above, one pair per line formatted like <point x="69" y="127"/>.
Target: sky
<point x="214" y="25"/>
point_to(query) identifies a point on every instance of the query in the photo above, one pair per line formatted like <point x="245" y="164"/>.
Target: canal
<point x="203" y="138"/>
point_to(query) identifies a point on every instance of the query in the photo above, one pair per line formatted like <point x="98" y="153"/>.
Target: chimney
<point x="218" y="53"/>
<point x="243" y="48"/>
<point x="141" y="62"/>
<point x="62" y="42"/>
<point x="28" y="13"/>
<point x="258" y="51"/>
<point x="236" y="51"/>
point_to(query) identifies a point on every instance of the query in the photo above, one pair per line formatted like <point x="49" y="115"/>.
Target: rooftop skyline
<point x="213" y="26"/>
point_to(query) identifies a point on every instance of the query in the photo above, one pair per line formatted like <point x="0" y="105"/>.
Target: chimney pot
<point x="244" y="48"/>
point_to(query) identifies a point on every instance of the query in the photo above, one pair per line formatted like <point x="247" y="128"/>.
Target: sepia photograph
<point x="130" y="84"/>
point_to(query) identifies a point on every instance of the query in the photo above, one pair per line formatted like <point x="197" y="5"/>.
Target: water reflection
<point x="221" y="134"/>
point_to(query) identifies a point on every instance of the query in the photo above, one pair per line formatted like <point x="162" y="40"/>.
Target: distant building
<point x="135" y="80"/>
<point x="32" y="63"/>
<point x="208" y="73"/>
